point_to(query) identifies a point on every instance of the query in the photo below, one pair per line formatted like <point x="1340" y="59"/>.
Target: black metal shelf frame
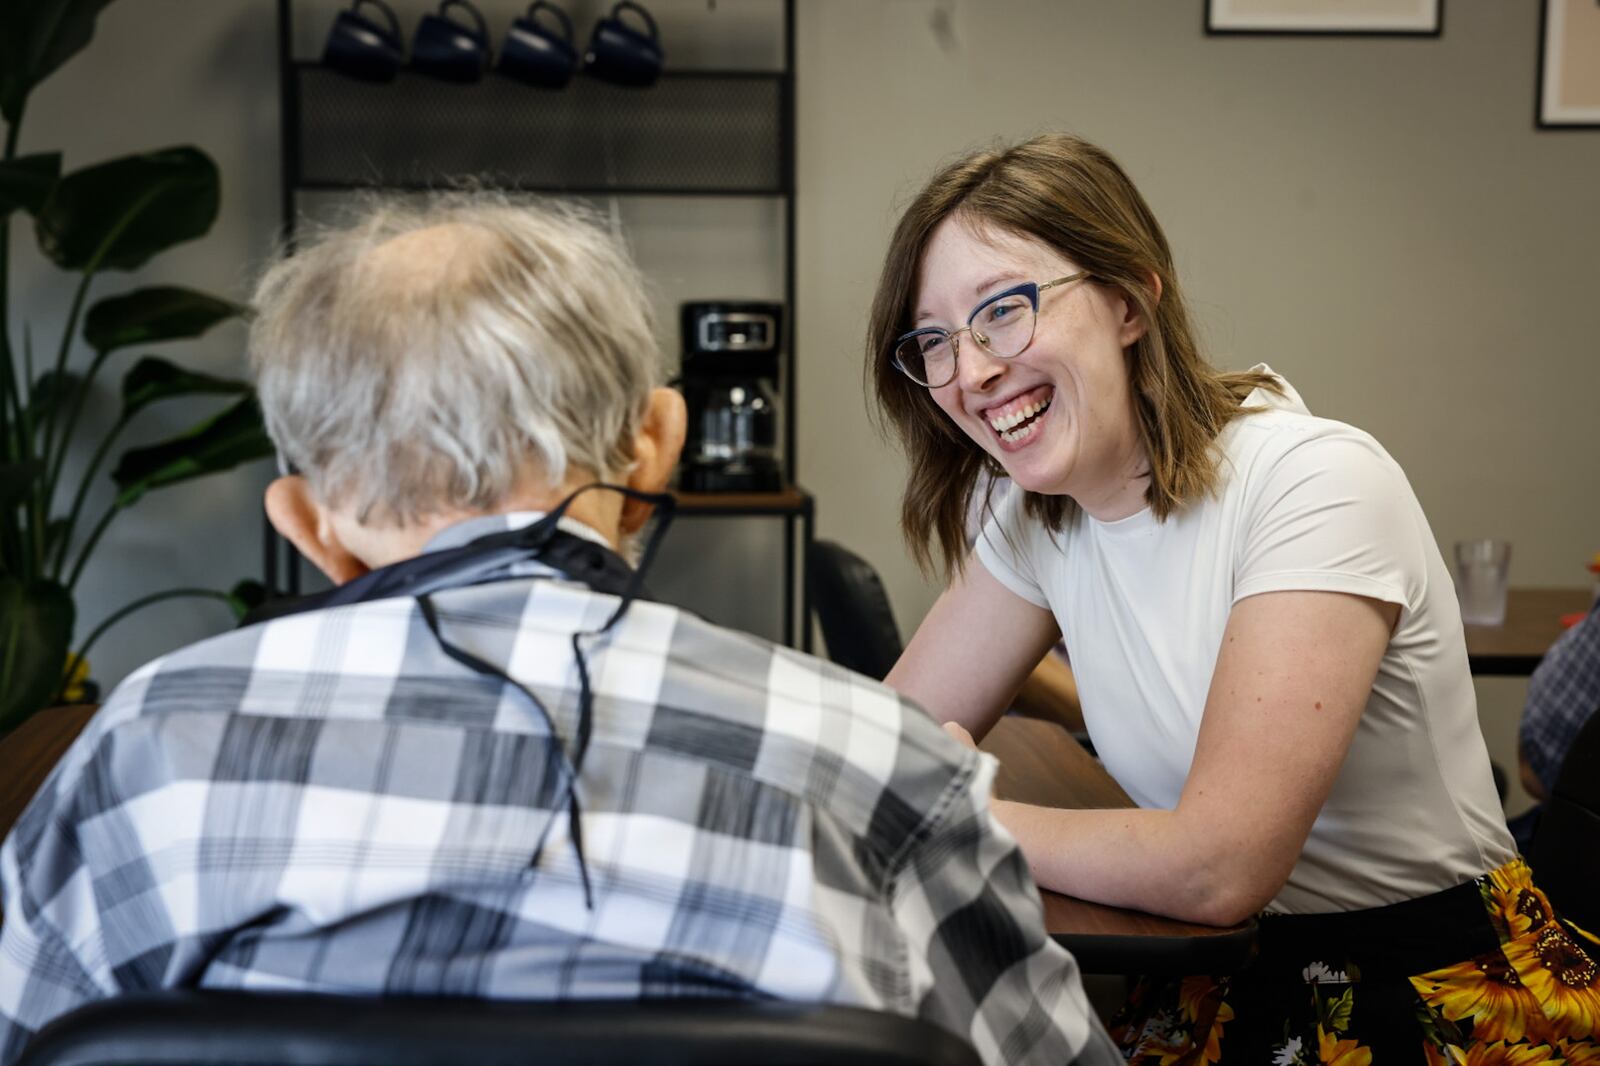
<point x="721" y="133"/>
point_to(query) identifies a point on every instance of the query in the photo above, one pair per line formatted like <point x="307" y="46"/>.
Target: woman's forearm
<point x="1148" y="860"/>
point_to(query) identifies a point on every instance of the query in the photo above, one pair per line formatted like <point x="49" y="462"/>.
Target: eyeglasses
<point x="1002" y="325"/>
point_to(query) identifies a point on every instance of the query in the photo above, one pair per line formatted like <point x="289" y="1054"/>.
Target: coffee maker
<point x="730" y="362"/>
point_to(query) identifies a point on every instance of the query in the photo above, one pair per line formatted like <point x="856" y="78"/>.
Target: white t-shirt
<point x="1303" y="503"/>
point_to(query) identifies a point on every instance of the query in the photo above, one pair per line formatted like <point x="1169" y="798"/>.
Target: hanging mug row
<point x="537" y="51"/>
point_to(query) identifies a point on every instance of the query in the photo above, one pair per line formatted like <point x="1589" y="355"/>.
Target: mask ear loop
<point x="571" y="762"/>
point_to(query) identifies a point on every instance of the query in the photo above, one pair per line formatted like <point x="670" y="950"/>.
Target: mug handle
<point x="629" y="5"/>
<point x="477" y="16"/>
<point x="545" y="5"/>
<point x="388" y="15"/>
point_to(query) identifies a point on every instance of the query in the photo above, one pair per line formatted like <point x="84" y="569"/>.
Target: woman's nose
<point x="977" y="368"/>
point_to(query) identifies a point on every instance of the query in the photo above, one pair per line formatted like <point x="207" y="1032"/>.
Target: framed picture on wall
<point x="1422" y="18"/>
<point x="1569" y="65"/>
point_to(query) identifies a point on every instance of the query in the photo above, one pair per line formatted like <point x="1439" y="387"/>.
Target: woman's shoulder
<point x="1274" y="429"/>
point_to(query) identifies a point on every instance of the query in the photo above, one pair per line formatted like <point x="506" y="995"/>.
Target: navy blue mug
<point x="453" y="51"/>
<point x="538" y="54"/>
<point x="622" y="55"/>
<point x="361" y="48"/>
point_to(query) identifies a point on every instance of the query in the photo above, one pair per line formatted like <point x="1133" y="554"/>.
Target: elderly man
<point x="485" y="764"/>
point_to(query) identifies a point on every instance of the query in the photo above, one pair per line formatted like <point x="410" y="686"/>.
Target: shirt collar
<point x="469" y="530"/>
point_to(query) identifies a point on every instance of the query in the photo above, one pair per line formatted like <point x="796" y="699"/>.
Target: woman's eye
<point x="1003" y="310"/>
<point x="932" y="343"/>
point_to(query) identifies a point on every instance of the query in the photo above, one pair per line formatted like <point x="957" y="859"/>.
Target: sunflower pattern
<point x="1535" y="1001"/>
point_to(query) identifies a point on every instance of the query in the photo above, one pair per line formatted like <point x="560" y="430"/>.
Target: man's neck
<point x="380" y="546"/>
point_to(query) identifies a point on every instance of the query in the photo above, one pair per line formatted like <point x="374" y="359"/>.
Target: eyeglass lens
<point x="1003" y="327"/>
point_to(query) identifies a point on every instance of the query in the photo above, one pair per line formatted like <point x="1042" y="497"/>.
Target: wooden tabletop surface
<point x="1533" y="622"/>
<point x="1039" y="763"/>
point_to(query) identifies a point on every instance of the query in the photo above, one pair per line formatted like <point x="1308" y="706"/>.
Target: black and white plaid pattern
<point x="327" y="802"/>
<point x="1563" y="693"/>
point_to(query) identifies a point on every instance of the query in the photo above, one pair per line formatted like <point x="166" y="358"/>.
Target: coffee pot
<point x="730" y="361"/>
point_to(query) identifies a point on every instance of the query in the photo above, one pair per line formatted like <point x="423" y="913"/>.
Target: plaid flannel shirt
<point x="326" y="802"/>
<point x="1563" y="693"/>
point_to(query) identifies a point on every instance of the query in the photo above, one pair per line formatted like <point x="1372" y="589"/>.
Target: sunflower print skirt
<point x="1483" y="974"/>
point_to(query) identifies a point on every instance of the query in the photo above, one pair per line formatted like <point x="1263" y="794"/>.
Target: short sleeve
<point x="1330" y="511"/>
<point x="1007" y="549"/>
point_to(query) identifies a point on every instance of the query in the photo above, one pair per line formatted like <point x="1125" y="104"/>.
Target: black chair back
<point x="266" y="1029"/>
<point x="853" y="609"/>
<point x="1566" y="846"/>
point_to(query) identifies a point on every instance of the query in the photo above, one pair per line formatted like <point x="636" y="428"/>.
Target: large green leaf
<point x="36" y="37"/>
<point x="153" y="378"/>
<point x="35" y="626"/>
<point x="159" y="313"/>
<point x="25" y="182"/>
<point x="235" y="436"/>
<point x="128" y="209"/>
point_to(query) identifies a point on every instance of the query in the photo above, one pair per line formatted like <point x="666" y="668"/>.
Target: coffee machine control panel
<point x="737" y="331"/>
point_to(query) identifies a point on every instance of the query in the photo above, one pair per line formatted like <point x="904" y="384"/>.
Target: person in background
<point x="485" y="764"/>
<point x="1264" y="635"/>
<point x="1563" y="694"/>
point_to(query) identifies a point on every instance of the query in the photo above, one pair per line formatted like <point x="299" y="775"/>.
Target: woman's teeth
<point x="1007" y="425"/>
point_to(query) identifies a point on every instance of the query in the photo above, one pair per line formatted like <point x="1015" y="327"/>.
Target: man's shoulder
<point x="836" y="740"/>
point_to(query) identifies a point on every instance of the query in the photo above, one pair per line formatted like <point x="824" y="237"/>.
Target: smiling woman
<point x="1265" y="637"/>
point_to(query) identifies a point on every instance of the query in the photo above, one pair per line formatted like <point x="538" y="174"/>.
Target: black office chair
<point x="266" y="1029"/>
<point x="1566" y="845"/>
<point x="853" y="609"/>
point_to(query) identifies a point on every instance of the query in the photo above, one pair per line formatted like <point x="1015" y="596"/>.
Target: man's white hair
<point x="420" y="360"/>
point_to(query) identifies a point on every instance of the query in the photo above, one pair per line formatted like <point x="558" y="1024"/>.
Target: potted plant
<point x="106" y="217"/>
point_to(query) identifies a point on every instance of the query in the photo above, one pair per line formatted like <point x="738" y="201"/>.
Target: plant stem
<point x="139" y="604"/>
<point x="90" y="268"/>
<point x="80" y="395"/>
<point x="53" y="417"/>
<point x="83" y="493"/>
<point x="16" y="450"/>
<point x="88" y="547"/>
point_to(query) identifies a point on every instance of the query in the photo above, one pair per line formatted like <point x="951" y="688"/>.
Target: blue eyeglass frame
<point x="1030" y="289"/>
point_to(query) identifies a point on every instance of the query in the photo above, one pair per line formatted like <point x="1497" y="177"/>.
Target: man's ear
<point x="1133" y="325"/>
<point x="656" y="448"/>
<point x="300" y="520"/>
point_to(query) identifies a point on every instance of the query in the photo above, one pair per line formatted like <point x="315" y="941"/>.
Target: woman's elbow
<point x="1228" y="895"/>
<point x="1227" y="908"/>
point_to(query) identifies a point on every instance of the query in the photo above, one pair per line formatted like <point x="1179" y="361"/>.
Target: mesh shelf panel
<point x="688" y="133"/>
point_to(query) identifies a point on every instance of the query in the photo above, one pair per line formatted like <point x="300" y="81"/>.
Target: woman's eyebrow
<point x="977" y="290"/>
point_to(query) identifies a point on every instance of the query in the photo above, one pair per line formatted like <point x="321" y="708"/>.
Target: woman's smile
<point x="1019" y="421"/>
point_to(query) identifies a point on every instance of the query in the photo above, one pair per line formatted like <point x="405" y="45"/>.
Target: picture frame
<point x="1569" y="65"/>
<point x="1343" y="18"/>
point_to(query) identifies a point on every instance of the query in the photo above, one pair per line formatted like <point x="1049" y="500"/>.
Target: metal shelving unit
<point x="727" y="133"/>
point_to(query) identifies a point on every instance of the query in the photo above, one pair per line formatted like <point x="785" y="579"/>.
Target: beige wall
<point x="1377" y="218"/>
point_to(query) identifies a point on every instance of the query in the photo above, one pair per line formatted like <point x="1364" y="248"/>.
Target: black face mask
<point x="578" y="558"/>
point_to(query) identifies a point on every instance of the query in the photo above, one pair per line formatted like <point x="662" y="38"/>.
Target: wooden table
<point x="1041" y="764"/>
<point x="1533" y="622"/>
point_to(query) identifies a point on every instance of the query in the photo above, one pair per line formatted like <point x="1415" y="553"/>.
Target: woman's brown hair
<point x="1072" y="196"/>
